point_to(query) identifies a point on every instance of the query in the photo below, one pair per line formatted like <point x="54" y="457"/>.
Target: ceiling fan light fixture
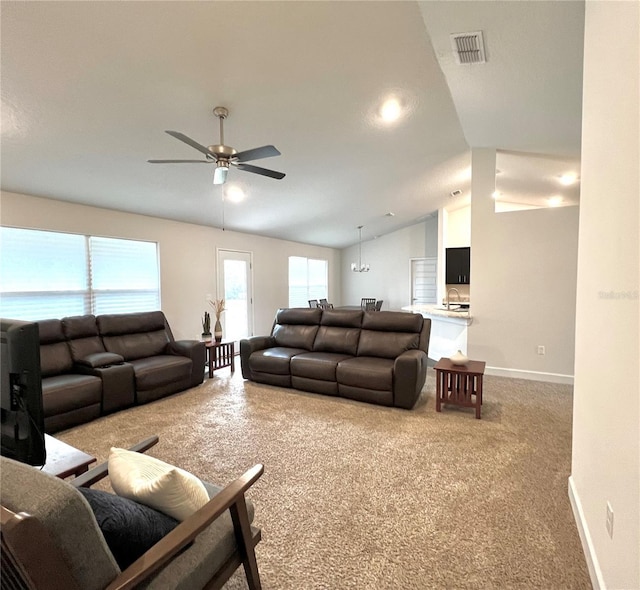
<point x="221" y="171"/>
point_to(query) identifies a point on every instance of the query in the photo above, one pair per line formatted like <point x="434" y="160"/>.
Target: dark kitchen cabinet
<point x="458" y="266"/>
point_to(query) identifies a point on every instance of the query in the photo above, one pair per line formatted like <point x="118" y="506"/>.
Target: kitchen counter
<point x="448" y="329"/>
<point x="440" y="312"/>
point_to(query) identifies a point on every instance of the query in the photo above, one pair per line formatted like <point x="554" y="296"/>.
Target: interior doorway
<point x="424" y="281"/>
<point x="236" y="288"/>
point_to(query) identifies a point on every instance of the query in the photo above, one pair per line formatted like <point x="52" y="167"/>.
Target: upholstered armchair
<point x="51" y="538"/>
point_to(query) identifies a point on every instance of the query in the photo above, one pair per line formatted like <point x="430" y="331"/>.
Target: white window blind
<point x="51" y="275"/>
<point x="308" y="279"/>
<point x="124" y="275"/>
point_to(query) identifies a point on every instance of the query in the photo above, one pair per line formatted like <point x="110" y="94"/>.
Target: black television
<point x="22" y="415"/>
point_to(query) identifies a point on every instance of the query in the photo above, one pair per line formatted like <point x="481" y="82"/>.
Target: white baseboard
<point x="530" y="375"/>
<point x="595" y="573"/>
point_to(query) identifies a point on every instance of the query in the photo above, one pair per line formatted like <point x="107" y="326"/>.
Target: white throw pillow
<point x="155" y="483"/>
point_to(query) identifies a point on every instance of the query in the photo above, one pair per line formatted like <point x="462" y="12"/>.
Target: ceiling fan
<point x="224" y="156"/>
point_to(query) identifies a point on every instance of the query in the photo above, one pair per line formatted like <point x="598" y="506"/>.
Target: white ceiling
<point x="88" y="89"/>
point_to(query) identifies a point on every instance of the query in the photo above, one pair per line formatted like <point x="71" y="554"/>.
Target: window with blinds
<point x="46" y="274"/>
<point x="308" y="279"/>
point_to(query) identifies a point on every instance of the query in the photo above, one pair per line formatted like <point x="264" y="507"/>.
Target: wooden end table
<point x="63" y="460"/>
<point x="220" y="354"/>
<point x="460" y="385"/>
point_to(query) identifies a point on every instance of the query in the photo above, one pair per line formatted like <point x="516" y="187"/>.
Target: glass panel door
<point x="235" y="287"/>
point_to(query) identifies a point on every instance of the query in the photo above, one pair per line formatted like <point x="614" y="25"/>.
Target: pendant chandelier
<point x="359" y="267"/>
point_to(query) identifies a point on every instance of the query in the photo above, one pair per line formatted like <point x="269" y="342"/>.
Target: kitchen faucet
<point x="449" y="291"/>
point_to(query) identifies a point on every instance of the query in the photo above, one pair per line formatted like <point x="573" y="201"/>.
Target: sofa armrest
<point x="410" y="374"/>
<point x="195" y="350"/>
<point x="100" y="359"/>
<point x="249" y="346"/>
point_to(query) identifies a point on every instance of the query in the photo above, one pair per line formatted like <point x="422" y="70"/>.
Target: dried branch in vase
<point x="218" y="306"/>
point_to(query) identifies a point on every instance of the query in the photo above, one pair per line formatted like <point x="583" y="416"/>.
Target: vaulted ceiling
<point x="88" y="89"/>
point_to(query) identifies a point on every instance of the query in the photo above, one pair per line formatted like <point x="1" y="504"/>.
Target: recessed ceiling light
<point x="390" y="214"/>
<point x="568" y="178"/>
<point x="234" y="194"/>
<point x="555" y="201"/>
<point x="391" y="110"/>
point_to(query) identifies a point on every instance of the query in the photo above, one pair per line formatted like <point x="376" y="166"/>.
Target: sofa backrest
<point x="339" y="331"/>
<point x="55" y="356"/>
<point x="296" y="327"/>
<point x="81" y="332"/>
<point x="135" y="335"/>
<point x="388" y="334"/>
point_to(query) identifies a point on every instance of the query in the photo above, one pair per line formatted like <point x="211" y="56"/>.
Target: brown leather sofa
<point x="92" y="366"/>
<point x="377" y="357"/>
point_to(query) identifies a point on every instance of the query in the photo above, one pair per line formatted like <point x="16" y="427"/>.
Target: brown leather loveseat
<point x="92" y="366"/>
<point x="376" y="356"/>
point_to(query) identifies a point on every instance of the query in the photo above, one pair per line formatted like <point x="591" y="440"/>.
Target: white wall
<point x="523" y="283"/>
<point x="187" y="256"/>
<point x="390" y="275"/>
<point x="459" y="228"/>
<point x="606" y="417"/>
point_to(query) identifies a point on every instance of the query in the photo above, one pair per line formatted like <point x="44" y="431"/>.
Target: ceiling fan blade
<point x="180" y="161"/>
<point x="191" y="142"/>
<point x="266" y="151"/>
<point x="262" y="171"/>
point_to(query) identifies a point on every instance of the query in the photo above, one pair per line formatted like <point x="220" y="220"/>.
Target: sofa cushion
<point x="366" y="372"/>
<point x="55" y="356"/>
<point x="299" y="316"/>
<point x="392" y="321"/>
<point x="82" y="335"/>
<point x="295" y="336"/>
<point x="155" y="371"/>
<point x="129" y="323"/>
<point x="345" y="318"/>
<point x="157" y="484"/>
<point x="335" y="339"/>
<point x="50" y="331"/>
<point x="317" y="365"/>
<point x="387" y="345"/>
<point x="137" y="346"/>
<point x="274" y="360"/>
<point x="129" y="528"/>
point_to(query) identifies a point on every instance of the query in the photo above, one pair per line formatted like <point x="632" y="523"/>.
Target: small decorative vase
<point x="459" y="358"/>
<point x="217" y="331"/>
<point x="206" y="336"/>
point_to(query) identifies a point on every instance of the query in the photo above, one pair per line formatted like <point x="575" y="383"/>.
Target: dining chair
<point x="324" y="301"/>
<point x="365" y="302"/>
<point x="379" y="304"/>
<point x="313" y="303"/>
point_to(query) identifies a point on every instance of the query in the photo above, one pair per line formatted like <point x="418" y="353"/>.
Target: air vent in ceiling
<point x="468" y="48"/>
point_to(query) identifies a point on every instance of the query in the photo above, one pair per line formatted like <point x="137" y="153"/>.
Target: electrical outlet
<point x="609" y="521"/>
<point x="541" y="350"/>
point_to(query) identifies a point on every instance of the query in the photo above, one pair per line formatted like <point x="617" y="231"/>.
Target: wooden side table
<point x="220" y="354"/>
<point x="460" y="385"/>
<point x="63" y="460"/>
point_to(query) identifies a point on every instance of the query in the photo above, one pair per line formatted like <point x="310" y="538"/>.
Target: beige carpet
<point x="367" y="497"/>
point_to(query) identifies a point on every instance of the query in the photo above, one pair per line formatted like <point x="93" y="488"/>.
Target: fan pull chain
<point x="223" y="207"/>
